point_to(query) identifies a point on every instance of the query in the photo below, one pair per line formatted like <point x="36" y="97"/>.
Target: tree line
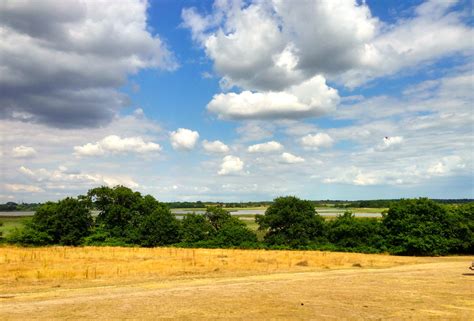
<point x="127" y="218"/>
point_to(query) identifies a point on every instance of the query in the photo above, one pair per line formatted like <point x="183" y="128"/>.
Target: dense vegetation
<point x="14" y="207"/>
<point x="127" y="218"/>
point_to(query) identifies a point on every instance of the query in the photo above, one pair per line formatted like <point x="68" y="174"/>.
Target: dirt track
<point x="441" y="290"/>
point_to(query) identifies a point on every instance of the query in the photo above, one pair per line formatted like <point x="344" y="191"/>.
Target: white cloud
<point x="23" y="152"/>
<point x="353" y="176"/>
<point x="231" y="165"/>
<point x="116" y="145"/>
<point x="390" y="142"/>
<point x="436" y="31"/>
<point x="90" y="47"/>
<point x="267" y="147"/>
<point x="270" y="45"/>
<point x="184" y="139"/>
<point x="446" y="165"/>
<point x="317" y="141"/>
<point x="23" y="188"/>
<point x="291" y="159"/>
<point x="308" y="99"/>
<point x="215" y="146"/>
<point x="62" y="177"/>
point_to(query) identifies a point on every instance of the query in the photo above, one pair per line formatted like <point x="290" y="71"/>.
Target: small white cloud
<point x="23" y="188"/>
<point x="231" y="165"/>
<point x="215" y="147"/>
<point x="446" y="165"/>
<point x="390" y="143"/>
<point x="23" y="152"/>
<point x="267" y="147"/>
<point x="291" y="159"/>
<point x="184" y="139"/>
<point x="317" y="141"/>
<point x="116" y="145"/>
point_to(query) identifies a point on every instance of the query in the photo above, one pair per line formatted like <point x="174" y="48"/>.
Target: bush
<point x="195" y="228"/>
<point x="349" y="232"/>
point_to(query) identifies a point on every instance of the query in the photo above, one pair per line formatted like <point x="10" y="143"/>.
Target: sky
<point x="232" y="100"/>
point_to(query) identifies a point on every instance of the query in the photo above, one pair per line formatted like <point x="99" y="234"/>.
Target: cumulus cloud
<point x="308" y="99"/>
<point x="390" y="143"/>
<point x="184" y="139"/>
<point x="23" y="152"/>
<point x="316" y="141"/>
<point x="116" y="145"/>
<point x="434" y="32"/>
<point x="215" y="146"/>
<point x="231" y="165"/>
<point x="288" y="158"/>
<point x="270" y="45"/>
<point x="267" y="147"/>
<point x="62" y="63"/>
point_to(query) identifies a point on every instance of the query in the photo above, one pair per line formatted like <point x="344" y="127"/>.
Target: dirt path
<point x="424" y="291"/>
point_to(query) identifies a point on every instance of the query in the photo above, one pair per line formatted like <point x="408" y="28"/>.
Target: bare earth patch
<point x="51" y="283"/>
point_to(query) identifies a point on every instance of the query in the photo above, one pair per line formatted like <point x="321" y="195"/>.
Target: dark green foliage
<point x="195" y="228"/>
<point x="461" y="228"/>
<point x="160" y="227"/>
<point x="65" y="222"/>
<point x="417" y="227"/>
<point x="116" y="207"/>
<point x="291" y="221"/>
<point x="217" y="216"/>
<point x="234" y="233"/>
<point x="349" y="232"/>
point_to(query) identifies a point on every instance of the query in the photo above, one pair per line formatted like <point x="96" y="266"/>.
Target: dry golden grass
<point x="114" y="282"/>
<point x="19" y="264"/>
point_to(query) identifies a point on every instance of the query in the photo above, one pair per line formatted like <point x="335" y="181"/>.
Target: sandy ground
<point x="441" y="290"/>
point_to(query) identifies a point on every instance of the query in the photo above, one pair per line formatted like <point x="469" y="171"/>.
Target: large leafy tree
<point x="117" y="206"/>
<point x="65" y="222"/>
<point x="217" y="216"/>
<point x="291" y="221"/>
<point x="417" y="227"/>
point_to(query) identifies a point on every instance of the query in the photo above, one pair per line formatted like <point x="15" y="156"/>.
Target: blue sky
<point x="237" y="100"/>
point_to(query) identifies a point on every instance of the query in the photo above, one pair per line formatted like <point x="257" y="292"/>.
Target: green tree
<point x="291" y="221"/>
<point x="117" y="206"/>
<point x="65" y="222"/>
<point x="461" y="228"/>
<point x="195" y="227"/>
<point x="417" y="227"/>
<point x="217" y="216"/>
<point x="160" y="227"/>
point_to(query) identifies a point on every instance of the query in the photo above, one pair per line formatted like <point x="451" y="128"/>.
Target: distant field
<point x="10" y="223"/>
<point x="142" y="283"/>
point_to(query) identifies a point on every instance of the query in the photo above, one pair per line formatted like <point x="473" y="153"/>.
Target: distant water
<point x="179" y="212"/>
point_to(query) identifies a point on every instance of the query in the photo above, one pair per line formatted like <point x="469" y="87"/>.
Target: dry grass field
<point x="141" y="283"/>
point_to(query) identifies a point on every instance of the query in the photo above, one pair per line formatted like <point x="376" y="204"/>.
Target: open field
<point x="12" y="222"/>
<point x="102" y="282"/>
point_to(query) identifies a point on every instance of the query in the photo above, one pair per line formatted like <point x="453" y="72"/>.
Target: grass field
<point x="11" y="223"/>
<point x="112" y="282"/>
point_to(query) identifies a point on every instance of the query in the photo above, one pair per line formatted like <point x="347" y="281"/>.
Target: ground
<point x="121" y="283"/>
